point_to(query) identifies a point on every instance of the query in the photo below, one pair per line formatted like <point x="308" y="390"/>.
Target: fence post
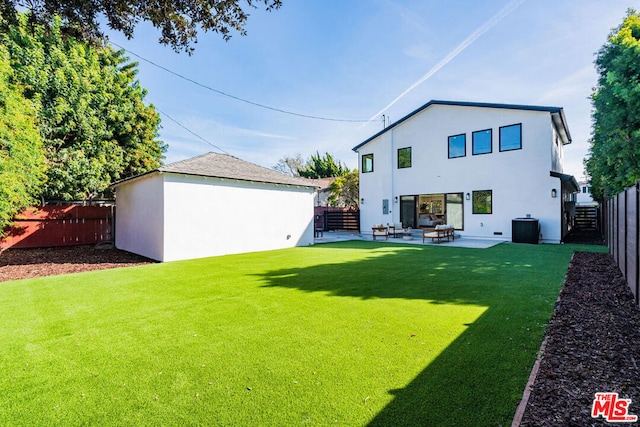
<point x="618" y="229"/>
<point x="626" y="232"/>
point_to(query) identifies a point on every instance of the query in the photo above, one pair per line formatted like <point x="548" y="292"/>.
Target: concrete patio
<point x="460" y="242"/>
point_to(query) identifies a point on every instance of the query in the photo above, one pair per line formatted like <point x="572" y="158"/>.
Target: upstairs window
<point x="481" y="142"/>
<point x="367" y="163"/>
<point x="457" y="146"/>
<point x="404" y="158"/>
<point x="511" y="137"/>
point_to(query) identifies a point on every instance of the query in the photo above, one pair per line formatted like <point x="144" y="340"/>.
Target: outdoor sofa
<point x="442" y="231"/>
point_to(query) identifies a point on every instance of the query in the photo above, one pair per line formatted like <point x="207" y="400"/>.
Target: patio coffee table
<point x="406" y="234"/>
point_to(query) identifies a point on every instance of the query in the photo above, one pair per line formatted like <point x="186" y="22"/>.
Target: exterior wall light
<point x="468" y="196"/>
<point x="395" y="199"/>
<point x="554" y="193"/>
<point x="362" y="201"/>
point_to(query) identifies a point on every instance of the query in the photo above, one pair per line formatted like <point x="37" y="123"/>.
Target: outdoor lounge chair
<point x="396" y="230"/>
<point x="379" y="231"/>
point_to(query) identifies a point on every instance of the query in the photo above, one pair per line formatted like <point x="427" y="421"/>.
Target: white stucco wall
<point x="140" y="216"/>
<point x="209" y="216"/>
<point x="584" y="197"/>
<point x="519" y="179"/>
<point x="169" y="217"/>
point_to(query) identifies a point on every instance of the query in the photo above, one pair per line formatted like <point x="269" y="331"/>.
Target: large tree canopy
<point x="322" y="167"/>
<point x="345" y="190"/>
<point x="21" y="156"/>
<point x="92" y="118"/>
<point x="177" y="20"/>
<point x="614" y="161"/>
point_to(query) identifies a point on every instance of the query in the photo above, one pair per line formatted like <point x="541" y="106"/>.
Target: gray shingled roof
<point x="224" y="166"/>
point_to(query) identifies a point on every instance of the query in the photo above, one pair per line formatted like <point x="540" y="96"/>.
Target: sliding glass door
<point x="455" y="211"/>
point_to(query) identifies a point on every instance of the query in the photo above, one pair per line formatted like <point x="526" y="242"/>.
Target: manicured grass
<point x="350" y="333"/>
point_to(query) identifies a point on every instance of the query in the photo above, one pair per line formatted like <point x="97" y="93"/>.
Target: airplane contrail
<point x="477" y="33"/>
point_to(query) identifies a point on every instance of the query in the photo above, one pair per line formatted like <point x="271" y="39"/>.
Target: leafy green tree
<point x="322" y="167"/>
<point x="178" y="20"/>
<point x="22" y="161"/>
<point x="614" y="161"/>
<point x="95" y="125"/>
<point x="345" y="190"/>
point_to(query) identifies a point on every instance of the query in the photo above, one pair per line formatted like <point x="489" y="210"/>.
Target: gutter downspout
<point x="391" y="199"/>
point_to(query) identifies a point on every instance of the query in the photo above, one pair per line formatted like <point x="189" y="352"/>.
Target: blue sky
<point x="353" y="59"/>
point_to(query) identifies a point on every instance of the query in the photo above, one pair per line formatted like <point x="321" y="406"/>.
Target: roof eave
<point x="560" y="121"/>
<point x="132" y="178"/>
<point x="160" y="171"/>
<point x="566" y="178"/>
<point x="553" y="110"/>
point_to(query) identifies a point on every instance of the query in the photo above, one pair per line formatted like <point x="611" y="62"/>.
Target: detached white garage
<point x="211" y="205"/>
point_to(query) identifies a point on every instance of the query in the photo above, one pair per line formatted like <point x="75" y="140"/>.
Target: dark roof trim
<point x="566" y="178"/>
<point x="555" y="111"/>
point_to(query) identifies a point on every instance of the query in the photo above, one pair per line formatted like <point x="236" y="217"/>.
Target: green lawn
<point x="352" y="333"/>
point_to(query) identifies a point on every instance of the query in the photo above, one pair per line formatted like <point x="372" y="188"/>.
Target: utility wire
<point x="279" y="110"/>
<point x="190" y="131"/>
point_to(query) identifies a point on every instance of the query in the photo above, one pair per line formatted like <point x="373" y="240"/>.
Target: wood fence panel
<point x="622" y="231"/>
<point x="342" y="220"/>
<point x="587" y="217"/>
<point x="605" y="220"/>
<point x="631" y="257"/>
<point x="60" y="226"/>
<point x="614" y="229"/>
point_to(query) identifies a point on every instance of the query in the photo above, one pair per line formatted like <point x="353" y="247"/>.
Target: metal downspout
<point x="391" y="199"/>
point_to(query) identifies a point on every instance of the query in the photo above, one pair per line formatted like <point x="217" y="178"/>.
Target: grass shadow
<point x="479" y="378"/>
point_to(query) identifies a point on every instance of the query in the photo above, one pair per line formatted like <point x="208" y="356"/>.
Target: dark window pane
<point x="404" y="157"/>
<point x="367" y="163"/>
<point x="482" y="202"/>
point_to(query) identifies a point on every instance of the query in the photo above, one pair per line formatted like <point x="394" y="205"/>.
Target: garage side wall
<point x="139" y="216"/>
<point x="212" y="216"/>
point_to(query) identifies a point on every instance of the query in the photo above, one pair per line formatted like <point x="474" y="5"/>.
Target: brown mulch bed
<point x="27" y="263"/>
<point x="593" y="345"/>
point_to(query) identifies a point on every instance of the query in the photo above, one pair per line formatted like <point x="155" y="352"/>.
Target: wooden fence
<point x="337" y="218"/>
<point x="60" y="226"/>
<point x="587" y="218"/>
<point x="621" y="228"/>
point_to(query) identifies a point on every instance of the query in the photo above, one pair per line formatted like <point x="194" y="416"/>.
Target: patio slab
<point x="459" y="242"/>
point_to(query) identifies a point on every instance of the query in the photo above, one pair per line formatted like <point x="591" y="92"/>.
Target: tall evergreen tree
<point x="22" y="161"/>
<point x="322" y="167"/>
<point x="614" y="161"/>
<point x="95" y="125"/>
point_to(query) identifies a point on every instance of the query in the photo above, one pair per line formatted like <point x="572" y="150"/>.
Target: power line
<point x="237" y="98"/>
<point x="190" y="131"/>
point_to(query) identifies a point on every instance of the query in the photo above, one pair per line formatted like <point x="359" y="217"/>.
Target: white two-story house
<point x="476" y="166"/>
